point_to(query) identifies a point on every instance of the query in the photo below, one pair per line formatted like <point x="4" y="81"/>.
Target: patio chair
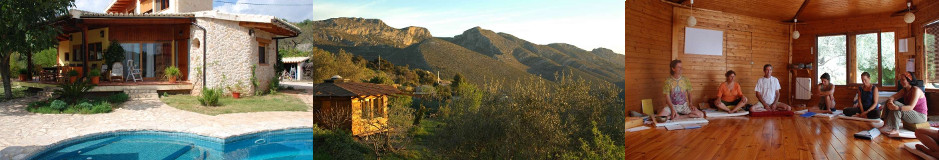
<point x="117" y="72"/>
<point x="134" y="71"/>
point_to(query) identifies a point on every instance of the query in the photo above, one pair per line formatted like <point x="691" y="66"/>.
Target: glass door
<point x="150" y="58"/>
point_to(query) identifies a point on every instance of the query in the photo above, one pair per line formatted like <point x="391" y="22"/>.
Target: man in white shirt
<point x="767" y="91"/>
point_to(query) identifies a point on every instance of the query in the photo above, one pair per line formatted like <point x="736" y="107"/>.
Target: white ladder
<point x="134" y="71"/>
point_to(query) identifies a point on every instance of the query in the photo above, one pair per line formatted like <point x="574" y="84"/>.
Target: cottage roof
<point x="294" y="59"/>
<point x="351" y="89"/>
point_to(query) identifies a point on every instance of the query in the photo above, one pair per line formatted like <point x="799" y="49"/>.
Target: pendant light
<point x="691" y="20"/>
<point x="795" y="33"/>
<point x="909" y="17"/>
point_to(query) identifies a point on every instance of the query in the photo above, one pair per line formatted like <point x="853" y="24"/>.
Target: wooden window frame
<point x="262" y="51"/>
<point x="851" y="58"/>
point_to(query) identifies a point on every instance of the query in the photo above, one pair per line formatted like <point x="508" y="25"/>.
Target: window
<point x="366" y="109"/>
<point x="832" y="58"/>
<point x="875" y="58"/>
<point x="262" y="58"/>
<point x="377" y="108"/>
<point x="164" y="4"/>
<point x="932" y="55"/>
<point x="888" y="58"/>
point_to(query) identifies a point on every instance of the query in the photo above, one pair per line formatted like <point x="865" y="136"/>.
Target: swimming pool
<point x="143" y="145"/>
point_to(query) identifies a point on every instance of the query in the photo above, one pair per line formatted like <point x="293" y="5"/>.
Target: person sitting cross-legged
<point x="767" y="92"/>
<point x="677" y="91"/>
<point x="729" y="96"/>
<point x="867" y="106"/>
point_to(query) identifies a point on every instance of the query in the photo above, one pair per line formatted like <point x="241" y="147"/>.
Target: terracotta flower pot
<point x="172" y="79"/>
<point x="22" y="77"/>
<point x="71" y="79"/>
<point x="95" y="80"/>
<point x="235" y="95"/>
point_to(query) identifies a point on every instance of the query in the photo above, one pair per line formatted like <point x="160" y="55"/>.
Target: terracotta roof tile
<point x="349" y="89"/>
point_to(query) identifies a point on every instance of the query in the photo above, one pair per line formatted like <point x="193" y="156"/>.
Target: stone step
<point x="142" y="94"/>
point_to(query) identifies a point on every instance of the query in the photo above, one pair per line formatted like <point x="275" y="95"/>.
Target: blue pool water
<point x="145" y="145"/>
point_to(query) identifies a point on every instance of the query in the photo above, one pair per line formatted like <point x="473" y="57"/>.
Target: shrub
<point x="171" y="71"/>
<point x="102" y="107"/>
<point x="58" y="105"/>
<point x="340" y="145"/>
<point x="118" y="98"/>
<point x="72" y="73"/>
<point x="71" y="92"/>
<point x="274" y="85"/>
<point x="23" y="71"/>
<point x="94" y="72"/>
<point x="84" y="105"/>
<point x="114" y="53"/>
<point x="210" y="97"/>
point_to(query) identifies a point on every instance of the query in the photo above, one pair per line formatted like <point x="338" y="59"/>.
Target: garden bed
<point x="103" y="104"/>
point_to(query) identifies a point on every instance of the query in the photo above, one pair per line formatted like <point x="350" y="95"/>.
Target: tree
<point x="27" y="26"/>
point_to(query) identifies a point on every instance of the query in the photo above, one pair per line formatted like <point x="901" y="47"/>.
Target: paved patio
<point x="22" y="133"/>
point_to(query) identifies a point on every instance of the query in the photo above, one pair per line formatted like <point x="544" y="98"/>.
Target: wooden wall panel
<point x="648" y="50"/>
<point x="804" y="49"/>
<point x="749" y="43"/>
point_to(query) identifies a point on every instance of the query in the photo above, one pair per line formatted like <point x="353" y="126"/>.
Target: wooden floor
<point x="765" y="138"/>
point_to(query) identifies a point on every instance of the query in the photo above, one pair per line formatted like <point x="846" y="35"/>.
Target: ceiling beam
<point x="804" y="3"/>
<point x="680" y="1"/>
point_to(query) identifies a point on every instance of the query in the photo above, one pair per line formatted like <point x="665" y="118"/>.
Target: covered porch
<point x="151" y="43"/>
<point x="117" y="86"/>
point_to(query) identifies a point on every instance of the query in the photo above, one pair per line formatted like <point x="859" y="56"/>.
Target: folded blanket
<point x="683" y="121"/>
<point x="911" y="147"/>
<point x="713" y="113"/>
<point x="860" y="119"/>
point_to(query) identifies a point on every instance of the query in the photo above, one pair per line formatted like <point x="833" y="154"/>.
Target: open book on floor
<point x="868" y="134"/>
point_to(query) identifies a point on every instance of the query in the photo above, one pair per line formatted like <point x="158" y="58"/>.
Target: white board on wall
<point x="704" y="41"/>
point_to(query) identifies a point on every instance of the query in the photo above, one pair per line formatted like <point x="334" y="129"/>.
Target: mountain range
<point x="479" y="54"/>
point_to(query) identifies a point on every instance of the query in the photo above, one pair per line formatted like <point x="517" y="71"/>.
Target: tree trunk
<point x="5" y="75"/>
<point x="29" y="66"/>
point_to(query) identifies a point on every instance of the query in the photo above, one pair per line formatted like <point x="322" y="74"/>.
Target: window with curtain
<point x="832" y="58"/>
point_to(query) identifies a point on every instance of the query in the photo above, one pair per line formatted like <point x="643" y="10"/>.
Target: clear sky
<point x="587" y="24"/>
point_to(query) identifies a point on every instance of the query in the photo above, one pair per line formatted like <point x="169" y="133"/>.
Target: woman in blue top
<point x="866" y="105"/>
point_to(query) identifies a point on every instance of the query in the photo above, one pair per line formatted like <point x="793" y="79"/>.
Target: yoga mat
<point x="683" y="121"/>
<point x="713" y="113"/>
<point x="860" y="119"/>
<point x="911" y="147"/>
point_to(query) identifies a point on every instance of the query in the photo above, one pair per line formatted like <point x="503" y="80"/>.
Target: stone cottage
<point x="212" y="49"/>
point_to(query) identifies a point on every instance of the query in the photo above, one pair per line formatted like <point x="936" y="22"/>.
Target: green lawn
<point x="18" y="92"/>
<point x="275" y="102"/>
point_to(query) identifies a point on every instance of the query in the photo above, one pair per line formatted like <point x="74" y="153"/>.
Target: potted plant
<point x="236" y="91"/>
<point x="95" y="76"/>
<point x="72" y="76"/>
<point x="23" y="73"/>
<point x="171" y="73"/>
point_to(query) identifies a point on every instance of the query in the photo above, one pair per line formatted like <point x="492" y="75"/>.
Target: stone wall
<point x="230" y="55"/>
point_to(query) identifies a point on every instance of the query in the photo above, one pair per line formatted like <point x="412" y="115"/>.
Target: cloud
<point x="293" y="13"/>
<point x="92" y="5"/>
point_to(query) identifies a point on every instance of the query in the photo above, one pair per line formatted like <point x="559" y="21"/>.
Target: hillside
<point x="482" y="53"/>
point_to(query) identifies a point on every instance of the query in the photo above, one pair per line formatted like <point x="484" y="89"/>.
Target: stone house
<point x="212" y="49"/>
<point x="352" y="106"/>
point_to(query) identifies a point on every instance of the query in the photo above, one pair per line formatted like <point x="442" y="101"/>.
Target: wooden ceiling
<point x="785" y="10"/>
<point x="122" y="6"/>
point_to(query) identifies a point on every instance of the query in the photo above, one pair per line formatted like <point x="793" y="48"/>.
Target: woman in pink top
<point x="911" y="110"/>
